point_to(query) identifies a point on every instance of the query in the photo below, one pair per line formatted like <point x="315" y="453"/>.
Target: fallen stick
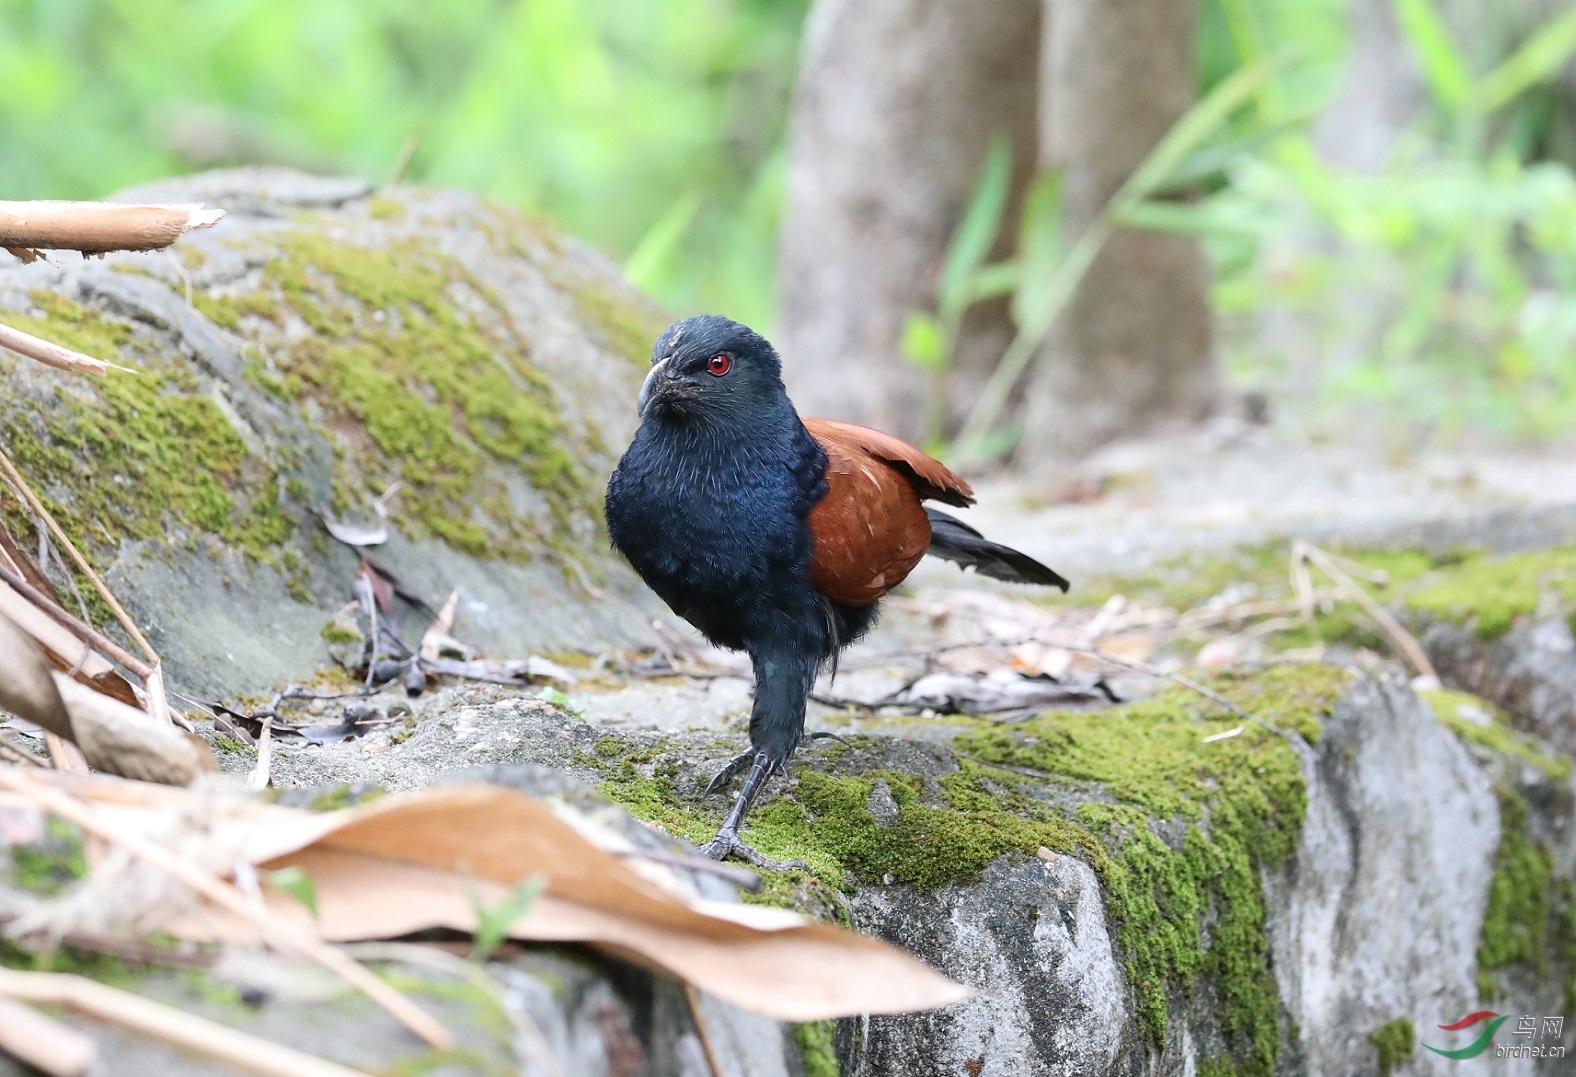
<point x="97" y="227"/>
<point x="44" y="1043"/>
<point x="176" y="1027"/>
<point x="282" y="933"/>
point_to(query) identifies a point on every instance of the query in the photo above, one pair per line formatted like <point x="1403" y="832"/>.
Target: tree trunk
<point x="894" y="110"/>
<point x="1131" y="354"/>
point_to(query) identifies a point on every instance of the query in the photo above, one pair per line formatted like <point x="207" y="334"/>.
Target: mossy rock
<point x="320" y="344"/>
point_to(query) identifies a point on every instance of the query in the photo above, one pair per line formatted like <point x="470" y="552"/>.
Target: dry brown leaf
<point x="424" y="860"/>
<point x="27" y="687"/>
<point x="123" y="740"/>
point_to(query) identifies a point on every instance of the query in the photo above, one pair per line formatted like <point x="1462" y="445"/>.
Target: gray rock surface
<point x="1377" y="916"/>
<point x="1530" y="672"/>
<point x="299" y="349"/>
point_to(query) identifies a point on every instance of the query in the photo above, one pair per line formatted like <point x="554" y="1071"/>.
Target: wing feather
<point x="931" y="479"/>
<point x="870" y="529"/>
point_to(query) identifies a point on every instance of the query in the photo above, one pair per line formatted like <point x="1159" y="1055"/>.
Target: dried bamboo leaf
<point x="27" y="687"/>
<point x="118" y="739"/>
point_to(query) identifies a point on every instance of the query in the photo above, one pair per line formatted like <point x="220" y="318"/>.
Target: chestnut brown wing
<point x="870" y="529"/>
<point x="930" y="478"/>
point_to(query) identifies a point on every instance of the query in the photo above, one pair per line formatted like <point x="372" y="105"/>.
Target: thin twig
<point x="407" y="154"/>
<point x="702" y="1030"/>
<point x="26" y="492"/>
<point x="168" y="1024"/>
<point x="63" y="617"/>
<point x="284" y="933"/>
<point x="1404" y="641"/>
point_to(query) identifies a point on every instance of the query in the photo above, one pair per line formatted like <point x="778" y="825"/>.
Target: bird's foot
<point x="729" y="772"/>
<point x="727" y="844"/>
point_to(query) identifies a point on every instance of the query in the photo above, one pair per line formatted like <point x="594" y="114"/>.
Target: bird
<point x="775" y="535"/>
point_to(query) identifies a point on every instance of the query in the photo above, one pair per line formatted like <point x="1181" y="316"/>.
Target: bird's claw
<point x="727" y="844"/>
<point x="728" y="773"/>
<point x="822" y="734"/>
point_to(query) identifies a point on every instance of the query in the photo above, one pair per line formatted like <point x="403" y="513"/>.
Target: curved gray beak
<point x="657" y="369"/>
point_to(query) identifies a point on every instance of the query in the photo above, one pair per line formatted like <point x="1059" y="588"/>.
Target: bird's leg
<point x="730" y="770"/>
<point x="727" y="842"/>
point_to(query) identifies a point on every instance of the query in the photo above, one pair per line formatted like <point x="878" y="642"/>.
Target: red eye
<point x="718" y="366"/>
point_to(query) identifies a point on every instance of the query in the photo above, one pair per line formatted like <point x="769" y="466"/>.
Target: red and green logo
<point x="1479" y="1045"/>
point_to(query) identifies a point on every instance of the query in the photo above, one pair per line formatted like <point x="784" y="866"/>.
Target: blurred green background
<point x="1440" y="287"/>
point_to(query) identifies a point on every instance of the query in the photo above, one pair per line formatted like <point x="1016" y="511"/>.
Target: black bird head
<point x="708" y="366"/>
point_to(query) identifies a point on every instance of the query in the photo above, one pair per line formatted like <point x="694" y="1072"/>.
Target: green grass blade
<point x="1538" y="59"/>
<point x="1195" y="127"/>
<point x="977" y="231"/>
<point x="1444" y="67"/>
<point x="657" y="247"/>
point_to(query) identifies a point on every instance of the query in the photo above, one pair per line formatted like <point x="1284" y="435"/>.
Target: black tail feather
<point x="956" y="541"/>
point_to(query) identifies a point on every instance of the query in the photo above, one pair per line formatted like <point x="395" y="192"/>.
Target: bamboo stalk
<point x="42" y="1042"/>
<point x="42" y="351"/>
<point x="97" y="227"/>
<point x="176" y="1027"/>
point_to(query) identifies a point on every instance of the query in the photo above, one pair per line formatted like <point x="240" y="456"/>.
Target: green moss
<point x="1232" y="809"/>
<point x="420" y="391"/>
<point x="1239" y="804"/>
<point x="1517" y="922"/>
<point x="117" y="460"/>
<point x="448" y="1062"/>
<point x="228" y="310"/>
<point x="1395" y="1042"/>
<point x="385" y="208"/>
<point x="628" y="326"/>
<point x="815" y="1049"/>
<point x="1491" y="592"/>
<point x="68" y="959"/>
<point x="334" y="632"/>
<point x="46" y="867"/>
<point x="1452" y="708"/>
<point x="348" y="795"/>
